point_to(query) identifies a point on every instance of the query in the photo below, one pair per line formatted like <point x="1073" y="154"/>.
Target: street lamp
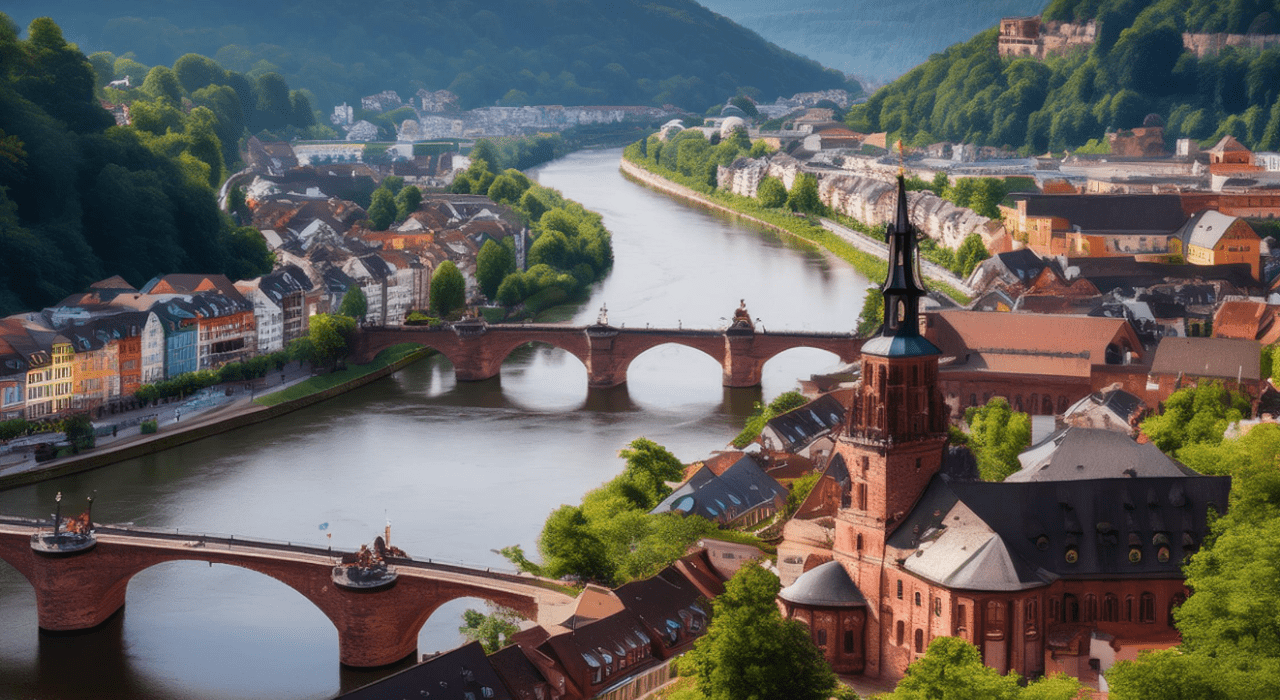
<point x="57" y="515"/>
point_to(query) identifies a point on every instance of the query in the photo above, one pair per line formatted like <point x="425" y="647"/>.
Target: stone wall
<point x="1211" y="44"/>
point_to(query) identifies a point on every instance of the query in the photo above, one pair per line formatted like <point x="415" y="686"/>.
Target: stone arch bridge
<point x="477" y="349"/>
<point x="375" y="628"/>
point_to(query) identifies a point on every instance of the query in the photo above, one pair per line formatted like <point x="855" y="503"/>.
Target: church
<point x="897" y="544"/>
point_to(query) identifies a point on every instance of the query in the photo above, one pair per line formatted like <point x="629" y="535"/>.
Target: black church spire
<point x="902" y="287"/>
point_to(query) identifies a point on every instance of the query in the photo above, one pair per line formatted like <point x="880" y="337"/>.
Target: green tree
<point x="1193" y="415"/>
<point x="330" y="336"/>
<point x="771" y="193"/>
<point x="804" y="195"/>
<point x="407" y="202"/>
<point x="354" y="304"/>
<point x="872" y="315"/>
<point x="751" y="653"/>
<point x="997" y="435"/>
<point x="493" y="630"/>
<point x="448" y="289"/>
<point x="570" y="549"/>
<point x="486" y="151"/>
<point x="382" y="209"/>
<point x="493" y="263"/>
<point x="970" y="254"/>
<point x="161" y="83"/>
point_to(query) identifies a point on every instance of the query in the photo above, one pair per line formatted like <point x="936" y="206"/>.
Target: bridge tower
<point x="896" y="433"/>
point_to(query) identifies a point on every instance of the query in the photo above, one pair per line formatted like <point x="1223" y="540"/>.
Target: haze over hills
<point x="872" y="40"/>
<point x="570" y="52"/>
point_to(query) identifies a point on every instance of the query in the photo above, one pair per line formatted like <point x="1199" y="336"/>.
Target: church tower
<point x="896" y="433"/>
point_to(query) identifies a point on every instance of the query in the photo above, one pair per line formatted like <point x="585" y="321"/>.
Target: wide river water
<point x="459" y="469"/>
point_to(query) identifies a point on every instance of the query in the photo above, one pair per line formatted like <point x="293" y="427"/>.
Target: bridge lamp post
<point x="90" y="509"/>
<point x="57" y="513"/>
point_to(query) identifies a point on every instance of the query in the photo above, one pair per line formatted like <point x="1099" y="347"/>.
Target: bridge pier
<point x="605" y="369"/>
<point x="741" y="368"/>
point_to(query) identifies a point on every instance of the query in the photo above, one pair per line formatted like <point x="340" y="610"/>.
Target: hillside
<point x="82" y="199"/>
<point x="570" y="52"/>
<point x="873" y="40"/>
<point x="1137" y="67"/>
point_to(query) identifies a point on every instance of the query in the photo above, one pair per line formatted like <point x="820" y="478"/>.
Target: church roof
<point x="900" y="346"/>
<point x="1016" y="535"/>
<point x="827" y="586"/>
<point x="1094" y="453"/>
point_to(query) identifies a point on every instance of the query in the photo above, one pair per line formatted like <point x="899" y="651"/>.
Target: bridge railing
<point x="178" y="534"/>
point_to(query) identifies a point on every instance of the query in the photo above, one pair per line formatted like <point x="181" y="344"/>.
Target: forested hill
<point x="871" y="39"/>
<point x="82" y="199"/>
<point x="570" y="52"/>
<point x="1137" y="67"/>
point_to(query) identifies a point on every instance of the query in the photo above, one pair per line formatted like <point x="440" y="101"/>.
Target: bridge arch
<point x="815" y="360"/>
<point x="374" y="629"/>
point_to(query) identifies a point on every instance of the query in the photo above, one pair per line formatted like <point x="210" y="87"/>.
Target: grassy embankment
<point x="870" y="266"/>
<point x="323" y="382"/>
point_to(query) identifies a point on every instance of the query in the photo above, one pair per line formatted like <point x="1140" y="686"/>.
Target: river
<point x="458" y="469"/>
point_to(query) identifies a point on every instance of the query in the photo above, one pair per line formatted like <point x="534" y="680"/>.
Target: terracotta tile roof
<point x="1029" y="343"/>
<point x="1242" y="319"/>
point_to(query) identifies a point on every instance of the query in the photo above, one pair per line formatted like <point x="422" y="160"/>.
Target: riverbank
<point x="239" y="413"/>
<point x="848" y="245"/>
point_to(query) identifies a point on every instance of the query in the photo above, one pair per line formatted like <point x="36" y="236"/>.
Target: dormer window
<point x="1072" y="556"/>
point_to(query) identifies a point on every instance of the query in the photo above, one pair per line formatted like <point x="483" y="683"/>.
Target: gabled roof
<point x="722" y="498"/>
<point x="191" y="284"/>
<point x="1124" y="405"/>
<point x="800" y="426"/>
<point x="1226" y="144"/>
<point x="1093" y="453"/>
<point x="113" y="282"/>
<point x="585" y="648"/>
<point x="461" y="674"/>
<point x="1029" y="343"/>
<point x="1221" y="358"/>
<point x="1204" y="229"/>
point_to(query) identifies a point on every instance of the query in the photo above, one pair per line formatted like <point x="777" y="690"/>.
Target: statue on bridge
<point x="77" y="537"/>
<point x="367" y="568"/>
<point x="742" y="318"/>
<point x="603" y="318"/>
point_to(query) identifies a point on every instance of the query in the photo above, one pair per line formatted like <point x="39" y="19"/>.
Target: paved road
<point x="880" y="250"/>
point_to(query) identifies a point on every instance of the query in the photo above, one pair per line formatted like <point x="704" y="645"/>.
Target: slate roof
<point x="825" y="586"/>
<point x="1119" y="271"/>
<point x="900" y="346"/>
<point x="1109" y="213"/>
<point x="1120" y="402"/>
<point x="800" y="426"/>
<point x="516" y="671"/>
<point x="1205" y="228"/>
<point x="461" y="674"/>
<point x="722" y="498"/>
<point x="585" y="648"/>
<point x="1093" y="453"/>
<point x="1222" y="358"/>
<point x="1011" y="536"/>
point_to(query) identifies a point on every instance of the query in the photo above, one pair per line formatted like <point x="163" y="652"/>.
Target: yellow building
<point x="97" y="375"/>
<point x="50" y="381"/>
<point x="1214" y="238"/>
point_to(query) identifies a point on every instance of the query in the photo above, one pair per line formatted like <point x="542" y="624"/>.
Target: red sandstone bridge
<point x="375" y="627"/>
<point x="477" y="349"/>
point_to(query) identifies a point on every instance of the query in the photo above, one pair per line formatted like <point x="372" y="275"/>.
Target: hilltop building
<point x="895" y="545"/>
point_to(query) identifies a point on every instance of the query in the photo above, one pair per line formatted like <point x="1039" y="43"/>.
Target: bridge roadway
<point x="477" y="349"/>
<point x="375" y="628"/>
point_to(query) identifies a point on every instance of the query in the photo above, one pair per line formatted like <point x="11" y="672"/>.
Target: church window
<point x="1110" y="608"/>
<point x="919" y="641"/>
<point x="937" y="607"/>
<point x="1055" y="610"/>
<point x="917" y="464"/>
<point x="902" y="311"/>
<point x="1070" y="608"/>
<point x="995" y="620"/>
<point x="917" y="599"/>
<point x="822" y="638"/>
<point x="1032" y="617"/>
<point x="848" y="642"/>
<point x="862" y="499"/>
<point x="859" y="542"/>
<point x="1128" y="608"/>
<point x="901" y="632"/>
<point x="1091" y="608"/>
<point x="960" y="617"/>
<point x="899" y="589"/>
<point x="1147" y="608"/>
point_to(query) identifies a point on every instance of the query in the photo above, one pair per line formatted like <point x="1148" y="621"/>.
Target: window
<point x="859" y="542"/>
<point x="901" y="632"/>
<point x="917" y="599"/>
<point x="960" y="617"/>
<point x="919" y="641"/>
<point x="1128" y="608"/>
<point x="848" y="642"/>
<point x="822" y="638"/>
<point x="995" y="620"/>
<point x="937" y="607"/>
<point x="899" y="589"/>
<point x="1070" y="608"/>
<point x="1147" y="608"/>
<point x="1091" y="608"/>
<point x="1110" y="608"/>
<point x="862" y="496"/>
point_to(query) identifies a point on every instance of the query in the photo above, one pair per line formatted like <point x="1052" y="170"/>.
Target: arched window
<point x="1047" y="408"/>
<point x="899" y="589"/>
<point x="1091" y="608"/>
<point x="901" y="633"/>
<point x="917" y="599"/>
<point x="1070" y="608"/>
<point x="919" y="641"/>
<point x="1147" y="608"/>
<point x="995" y="620"/>
<point x="1110" y="608"/>
<point x="1032" y="610"/>
<point x="937" y="607"/>
<point x="1128" y="608"/>
<point x="1055" y="610"/>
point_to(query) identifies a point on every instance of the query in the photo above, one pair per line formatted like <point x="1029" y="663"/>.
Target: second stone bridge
<point x="477" y="349"/>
